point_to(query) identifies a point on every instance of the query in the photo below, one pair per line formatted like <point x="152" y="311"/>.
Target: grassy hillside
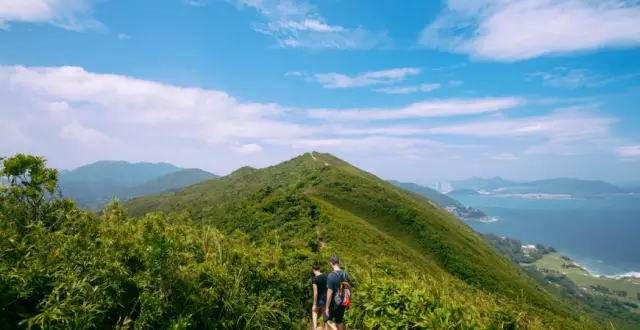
<point x="238" y="252"/>
<point x="357" y="209"/>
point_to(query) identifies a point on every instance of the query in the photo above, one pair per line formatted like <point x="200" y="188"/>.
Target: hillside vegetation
<point x="607" y="298"/>
<point x="236" y="252"/>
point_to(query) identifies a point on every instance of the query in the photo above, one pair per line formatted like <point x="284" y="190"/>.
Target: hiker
<point x="338" y="295"/>
<point x="319" y="294"/>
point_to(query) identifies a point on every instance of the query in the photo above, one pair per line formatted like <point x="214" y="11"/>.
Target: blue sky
<point x="410" y="90"/>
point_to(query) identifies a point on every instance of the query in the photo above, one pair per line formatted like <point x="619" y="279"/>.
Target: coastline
<point x="486" y="219"/>
<point x="626" y="275"/>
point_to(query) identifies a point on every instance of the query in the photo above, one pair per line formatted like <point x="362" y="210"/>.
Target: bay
<point x="602" y="235"/>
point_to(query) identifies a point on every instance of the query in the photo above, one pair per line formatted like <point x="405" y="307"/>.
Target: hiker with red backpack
<point x="338" y="295"/>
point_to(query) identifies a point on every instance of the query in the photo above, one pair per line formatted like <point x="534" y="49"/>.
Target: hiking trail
<point x="316" y="159"/>
<point x="320" y="242"/>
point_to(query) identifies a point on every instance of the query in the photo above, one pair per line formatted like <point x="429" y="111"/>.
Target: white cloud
<point x="77" y="131"/>
<point x="196" y="3"/>
<point x="379" y="145"/>
<point x="247" y="148"/>
<point x="437" y="108"/>
<point x="574" y="78"/>
<point x="408" y="89"/>
<point x="629" y="152"/>
<point x="299" y="24"/>
<point x="449" y="67"/>
<point x="505" y="156"/>
<point x="511" y="30"/>
<point x="294" y="73"/>
<point x="73" y="117"/>
<point x="122" y="36"/>
<point x="69" y="14"/>
<point x="383" y="77"/>
<point x="567" y="123"/>
<point x="210" y="115"/>
<point x="454" y="83"/>
<point x="566" y="131"/>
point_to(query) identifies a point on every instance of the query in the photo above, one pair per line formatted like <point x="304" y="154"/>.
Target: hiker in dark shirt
<point x="334" y="313"/>
<point x="319" y="283"/>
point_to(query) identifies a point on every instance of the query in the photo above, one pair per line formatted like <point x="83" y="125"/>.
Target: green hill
<point x="353" y="209"/>
<point x="118" y="172"/>
<point x="94" y="185"/>
<point x="236" y="252"/>
<point x="167" y="183"/>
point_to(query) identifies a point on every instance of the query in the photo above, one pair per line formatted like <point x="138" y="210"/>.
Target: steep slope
<point x="167" y="183"/>
<point x="319" y="201"/>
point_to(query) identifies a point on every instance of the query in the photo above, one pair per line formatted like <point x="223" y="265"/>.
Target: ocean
<point x="602" y="235"/>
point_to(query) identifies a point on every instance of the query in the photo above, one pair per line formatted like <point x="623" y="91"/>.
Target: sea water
<point x="602" y="235"/>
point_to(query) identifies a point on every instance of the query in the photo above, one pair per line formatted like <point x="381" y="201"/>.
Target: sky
<point x="409" y="90"/>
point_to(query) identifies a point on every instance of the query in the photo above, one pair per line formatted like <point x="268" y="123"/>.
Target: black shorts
<point x="336" y="313"/>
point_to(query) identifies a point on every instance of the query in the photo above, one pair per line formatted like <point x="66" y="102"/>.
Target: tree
<point x="29" y="185"/>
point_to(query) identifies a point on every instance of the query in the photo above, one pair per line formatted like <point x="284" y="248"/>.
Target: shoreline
<point x="486" y="219"/>
<point x="627" y="275"/>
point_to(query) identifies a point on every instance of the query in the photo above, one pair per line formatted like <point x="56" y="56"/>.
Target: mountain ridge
<point x="329" y="183"/>
<point x="93" y="185"/>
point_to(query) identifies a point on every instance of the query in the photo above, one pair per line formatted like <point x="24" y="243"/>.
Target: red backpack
<point x="343" y="296"/>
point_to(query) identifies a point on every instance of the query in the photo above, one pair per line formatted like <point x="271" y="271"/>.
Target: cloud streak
<point x="629" y="152"/>
<point x="299" y="24"/>
<point x="424" y="109"/>
<point x="574" y="78"/>
<point x="507" y="30"/>
<point x="75" y="15"/>
<point x="408" y="89"/>
<point x="383" y="77"/>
